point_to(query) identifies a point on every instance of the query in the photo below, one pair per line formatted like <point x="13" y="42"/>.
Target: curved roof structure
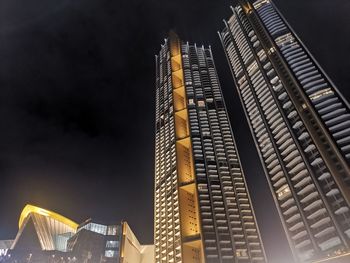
<point x="43" y="229"/>
<point x="29" y="209"/>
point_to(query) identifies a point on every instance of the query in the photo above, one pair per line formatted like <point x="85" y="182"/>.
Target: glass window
<point x="241" y="253"/>
<point x="112" y="244"/>
<point x="111" y="253"/>
<point x="112" y="230"/>
<point x="283" y="192"/>
<point x="97" y="228"/>
<point x="201" y="103"/>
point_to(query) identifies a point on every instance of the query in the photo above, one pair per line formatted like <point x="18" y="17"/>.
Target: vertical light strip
<point x="191" y="242"/>
<point x="122" y="247"/>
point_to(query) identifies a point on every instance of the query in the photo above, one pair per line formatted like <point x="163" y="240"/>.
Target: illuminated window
<point x="112" y="244"/>
<point x="271" y="50"/>
<point x="285" y="39"/>
<point x="260" y="3"/>
<point x="100" y="229"/>
<point x="241" y="253"/>
<point x="321" y="93"/>
<point x="252" y="68"/>
<point x="201" y="103"/>
<point x="111" y="253"/>
<point x="206" y="134"/>
<point x="283" y="192"/>
<point x="191" y="102"/>
<point x="241" y="80"/>
<point x="112" y="230"/>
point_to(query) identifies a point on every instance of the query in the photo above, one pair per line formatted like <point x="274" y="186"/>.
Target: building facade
<point x="5" y="246"/>
<point x="203" y="211"/>
<point x="301" y="126"/>
<point x="42" y="230"/>
<point x="47" y="237"/>
<point x="96" y="242"/>
<point x="131" y="249"/>
<point x="42" y="236"/>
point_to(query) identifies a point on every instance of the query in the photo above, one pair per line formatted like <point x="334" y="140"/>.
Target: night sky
<point x="77" y="102"/>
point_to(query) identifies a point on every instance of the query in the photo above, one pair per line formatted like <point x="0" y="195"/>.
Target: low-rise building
<point x="45" y="236"/>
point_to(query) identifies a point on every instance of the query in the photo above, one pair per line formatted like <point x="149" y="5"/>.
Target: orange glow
<point x="248" y="8"/>
<point x="178" y="79"/>
<point x="192" y="242"/>
<point x="29" y="209"/>
<point x="179" y="99"/>
<point x="181" y="128"/>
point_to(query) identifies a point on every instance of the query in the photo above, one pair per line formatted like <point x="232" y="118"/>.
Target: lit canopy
<point x="28" y="209"/>
<point x="45" y="229"/>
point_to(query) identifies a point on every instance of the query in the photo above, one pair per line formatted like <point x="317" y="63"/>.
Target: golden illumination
<point x="175" y="45"/>
<point x="193" y="251"/>
<point x="184" y="161"/>
<point x="179" y="99"/>
<point x="176" y="62"/>
<point x="29" y="209"/>
<point x="192" y="243"/>
<point x="178" y="78"/>
<point x="181" y="120"/>
<point x="248" y="8"/>
<point x="188" y="213"/>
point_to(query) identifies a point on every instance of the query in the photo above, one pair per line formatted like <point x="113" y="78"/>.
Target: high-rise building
<point x="203" y="211"/>
<point x="301" y="126"/>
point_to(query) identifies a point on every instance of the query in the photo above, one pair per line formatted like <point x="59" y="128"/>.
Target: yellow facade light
<point x="29" y="209"/>
<point x="192" y="249"/>
<point x="248" y="8"/>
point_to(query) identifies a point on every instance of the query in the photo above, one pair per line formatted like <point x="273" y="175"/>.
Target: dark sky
<point x="77" y="102"/>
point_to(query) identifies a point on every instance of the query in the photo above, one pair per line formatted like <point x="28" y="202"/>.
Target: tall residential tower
<point x="203" y="211"/>
<point x="301" y="126"/>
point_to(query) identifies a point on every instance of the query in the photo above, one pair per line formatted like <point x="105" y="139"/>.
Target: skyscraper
<point x="203" y="211"/>
<point x="301" y="126"/>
